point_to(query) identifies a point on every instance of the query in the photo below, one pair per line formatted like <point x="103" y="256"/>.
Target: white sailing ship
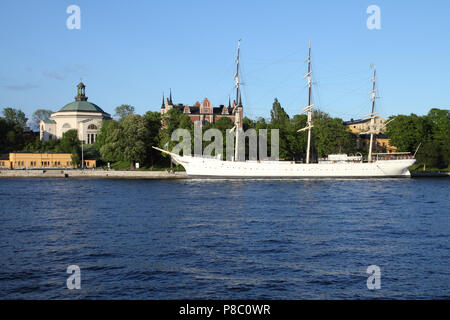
<point x="334" y="166"/>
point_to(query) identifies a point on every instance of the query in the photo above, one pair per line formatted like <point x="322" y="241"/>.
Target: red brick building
<point x="202" y="113"/>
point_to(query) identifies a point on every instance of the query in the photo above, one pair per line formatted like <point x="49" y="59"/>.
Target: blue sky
<point x="130" y="52"/>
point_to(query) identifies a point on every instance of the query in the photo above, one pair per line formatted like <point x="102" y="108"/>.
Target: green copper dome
<point x="82" y="106"/>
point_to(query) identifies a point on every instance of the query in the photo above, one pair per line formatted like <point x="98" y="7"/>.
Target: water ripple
<point x="230" y="239"/>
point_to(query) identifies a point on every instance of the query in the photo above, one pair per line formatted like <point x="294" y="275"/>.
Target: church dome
<point x="83" y="106"/>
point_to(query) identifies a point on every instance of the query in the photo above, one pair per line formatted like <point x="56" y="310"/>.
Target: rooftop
<point x="196" y="110"/>
<point x="83" y="106"/>
<point x="347" y="123"/>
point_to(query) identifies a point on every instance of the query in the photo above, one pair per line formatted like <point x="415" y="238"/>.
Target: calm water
<point x="136" y="239"/>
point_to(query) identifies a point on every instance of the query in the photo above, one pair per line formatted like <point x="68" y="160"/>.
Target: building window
<point x="92" y="127"/>
<point x="91" y="138"/>
<point x="66" y="126"/>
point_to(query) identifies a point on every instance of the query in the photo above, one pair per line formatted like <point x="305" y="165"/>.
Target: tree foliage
<point x="134" y="140"/>
<point x="130" y="139"/>
<point x="431" y="132"/>
<point x="39" y="115"/>
<point x="153" y="120"/>
<point x="331" y="136"/>
<point x="15" y="117"/>
<point x="108" y="141"/>
<point x="42" y="146"/>
<point x="69" y="142"/>
<point x="172" y="120"/>
<point x="124" y="110"/>
<point x="11" y="130"/>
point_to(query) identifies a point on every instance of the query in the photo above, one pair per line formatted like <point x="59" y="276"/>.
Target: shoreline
<point x="122" y="174"/>
<point x="438" y="174"/>
<point x="106" y="174"/>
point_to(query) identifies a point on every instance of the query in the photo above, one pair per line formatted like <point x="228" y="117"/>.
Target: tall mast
<point x="238" y="107"/>
<point x="310" y="106"/>
<point x="372" y="114"/>
<point x="309" y="74"/>
<point x="236" y="76"/>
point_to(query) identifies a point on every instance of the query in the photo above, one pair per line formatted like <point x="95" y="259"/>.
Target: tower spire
<point x="170" y="98"/>
<point x="162" y="105"/>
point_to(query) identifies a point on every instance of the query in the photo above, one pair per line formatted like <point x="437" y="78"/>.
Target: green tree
<point x="173" y="120"/>
<point x="260" y="123"/>
<point x="406" y="132"/>
<point x="247" y="123"/>
<point x="135" y="138"/>
<point x="76" y="159"/>
<point x="153" y="120"/>
<point x="124" y="110"/>
<point x="277" y="114"/>
<point x="440" y="125"/>
<point x="11" y="132"/>
<point x="440" y="122"/>
<point x="70" y="143"/>
<point x="108" y="141"/>
<point x="297" y="141"/>
<point x="435" y="152"/>
<point x="90" y="152"/>
<point x="331" y="136"/>
<point x="42" y="146"/>
<point x="279" y="119"/>
<point x="431" y="155"/>
<point x="38" y="115"/>
<point x="431" y="131"/>
<point x="15" y="117"/>
<point x="223" y="124"/>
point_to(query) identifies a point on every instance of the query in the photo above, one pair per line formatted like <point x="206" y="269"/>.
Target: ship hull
<point x="226" y="177"/>
<point x="197" y="167"/>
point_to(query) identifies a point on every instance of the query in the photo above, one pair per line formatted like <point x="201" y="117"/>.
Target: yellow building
<point x="381" y="143"/>
<point x="29" y="160"/>
<point x="362" y="126"/>
<point x="384" y="142"/>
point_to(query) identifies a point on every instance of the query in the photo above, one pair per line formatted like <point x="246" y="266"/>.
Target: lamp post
<point x="82" y="154"/>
